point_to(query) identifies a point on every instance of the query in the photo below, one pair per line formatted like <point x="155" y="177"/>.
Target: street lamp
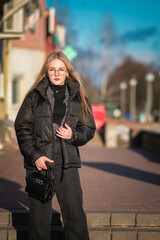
<point x="149" y="78"/>
<point x="123" y="87"/>
<point x="159" y="100"/>
<point x="133" y="84"/>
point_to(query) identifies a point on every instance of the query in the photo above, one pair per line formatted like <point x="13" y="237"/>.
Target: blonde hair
<point x="72" y="74"/>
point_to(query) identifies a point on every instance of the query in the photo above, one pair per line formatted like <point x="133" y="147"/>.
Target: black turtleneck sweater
<point x="59" y="106"/>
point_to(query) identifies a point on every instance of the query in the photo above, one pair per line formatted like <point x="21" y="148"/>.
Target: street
<point x="111" y="178"/>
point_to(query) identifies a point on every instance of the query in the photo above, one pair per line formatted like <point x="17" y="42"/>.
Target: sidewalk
<point x="117" y="179"/>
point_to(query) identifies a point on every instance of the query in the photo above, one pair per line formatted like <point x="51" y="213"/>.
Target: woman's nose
<point x="56" y="72"/>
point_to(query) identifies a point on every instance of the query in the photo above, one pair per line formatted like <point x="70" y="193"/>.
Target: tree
<point x="124" y="73"/>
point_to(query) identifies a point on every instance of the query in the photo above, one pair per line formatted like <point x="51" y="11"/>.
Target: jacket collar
<point x="72" y="85"/>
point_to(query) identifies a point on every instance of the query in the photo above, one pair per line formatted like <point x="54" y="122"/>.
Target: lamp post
<point x="159" y="100"/>
<point x="149" y="78"/>
<point x="133" y="84"/>
<point x="123" y="87"/>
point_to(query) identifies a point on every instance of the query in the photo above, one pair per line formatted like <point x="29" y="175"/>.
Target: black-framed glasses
<point x="60" y="71"/>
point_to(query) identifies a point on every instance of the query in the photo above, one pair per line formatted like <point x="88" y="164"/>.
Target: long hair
<point x="73" y="75"/>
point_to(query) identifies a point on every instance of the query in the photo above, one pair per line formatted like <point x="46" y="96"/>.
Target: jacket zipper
<point x="53" y="137"/>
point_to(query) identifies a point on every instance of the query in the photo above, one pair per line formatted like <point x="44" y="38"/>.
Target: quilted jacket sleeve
<point x="84" y="130"/>
<point x="24" y="127"/>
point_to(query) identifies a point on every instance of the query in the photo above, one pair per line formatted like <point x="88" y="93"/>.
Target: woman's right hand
<point x="40" y="163"/>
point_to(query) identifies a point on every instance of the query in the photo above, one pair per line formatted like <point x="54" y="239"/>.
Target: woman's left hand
<point x="65" y="133"/>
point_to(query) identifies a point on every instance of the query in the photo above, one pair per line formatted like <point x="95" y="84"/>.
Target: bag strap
<point x="49" y="173"/>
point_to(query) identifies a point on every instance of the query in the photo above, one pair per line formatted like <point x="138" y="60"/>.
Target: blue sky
<point x="135" y="26"/>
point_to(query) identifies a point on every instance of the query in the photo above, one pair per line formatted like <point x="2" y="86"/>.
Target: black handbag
<point x="39" y="186"/>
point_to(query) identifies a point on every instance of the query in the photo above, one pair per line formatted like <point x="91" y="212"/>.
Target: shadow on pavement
<point x="11" y="197"/>
<point x="150" y="156"/>
<point x="15" y="200"/>
<point x="126" y="171"/>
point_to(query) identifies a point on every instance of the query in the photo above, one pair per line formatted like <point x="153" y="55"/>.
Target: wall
<point x="24" y="64"/>
<point x="146" y="139"/>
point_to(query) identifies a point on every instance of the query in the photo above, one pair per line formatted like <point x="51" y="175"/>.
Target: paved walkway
<point x="112" y="179"/>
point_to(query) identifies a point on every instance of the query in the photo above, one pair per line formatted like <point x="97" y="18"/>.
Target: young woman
<point x="54" y="119"/>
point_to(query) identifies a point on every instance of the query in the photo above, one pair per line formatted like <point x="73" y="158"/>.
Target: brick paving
<point x="119" y="179"/>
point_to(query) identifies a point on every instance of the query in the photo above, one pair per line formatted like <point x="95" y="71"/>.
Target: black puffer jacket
<point x="34" y="125"/>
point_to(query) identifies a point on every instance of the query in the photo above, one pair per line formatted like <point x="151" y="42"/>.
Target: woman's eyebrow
<point x="57" y="68"/>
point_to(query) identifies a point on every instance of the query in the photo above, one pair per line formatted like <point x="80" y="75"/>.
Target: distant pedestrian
<point x="54" y="119"/>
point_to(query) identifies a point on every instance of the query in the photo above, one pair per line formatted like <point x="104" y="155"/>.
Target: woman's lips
<point x="57" y="79"/>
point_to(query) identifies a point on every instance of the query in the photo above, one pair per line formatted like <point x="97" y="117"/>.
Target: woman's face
<point x="57" y="72"/>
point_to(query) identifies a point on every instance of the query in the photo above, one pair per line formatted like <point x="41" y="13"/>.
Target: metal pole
<point x="159" y="100"/>
<point x="149" y="78"/>
<point x="133" y="103"/>
<point x="123" y="103"/>
<point x="123" y="87"/>
<point x="159" y="107"/>
<point x="133" y="84"/>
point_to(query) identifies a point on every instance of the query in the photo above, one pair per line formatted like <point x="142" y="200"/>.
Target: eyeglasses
<point x="60" y="71"/>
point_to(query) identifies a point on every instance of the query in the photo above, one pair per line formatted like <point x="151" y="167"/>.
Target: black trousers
<point x="69" y="195"/>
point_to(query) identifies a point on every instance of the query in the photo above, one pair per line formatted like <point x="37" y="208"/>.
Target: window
<point x="15" y="91"/>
